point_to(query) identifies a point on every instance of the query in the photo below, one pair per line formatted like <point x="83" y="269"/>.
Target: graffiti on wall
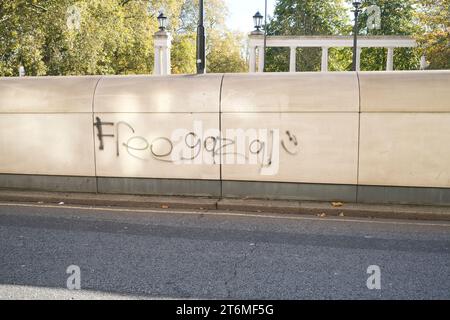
<point x="236" y="146"/>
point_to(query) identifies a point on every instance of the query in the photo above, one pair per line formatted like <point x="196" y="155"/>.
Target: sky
<point x="241" y="13"/>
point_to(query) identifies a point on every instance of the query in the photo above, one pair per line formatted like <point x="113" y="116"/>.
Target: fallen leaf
<point x="337" y="204"/>
<point x="322" y="215"/>
<point x="341" y="214"/>
<point x="164" y="206"/>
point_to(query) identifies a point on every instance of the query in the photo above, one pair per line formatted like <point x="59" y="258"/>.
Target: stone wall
<point x="380" y="137"/>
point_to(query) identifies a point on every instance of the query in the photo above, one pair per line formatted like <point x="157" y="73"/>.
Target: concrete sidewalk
<point x="322" y="209"/>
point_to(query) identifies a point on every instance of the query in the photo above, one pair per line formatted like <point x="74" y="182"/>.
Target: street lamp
<point x="162" y="20"/>
<point x="356" y="11"/>
<point x="257" y="20"/>
<point x="201" y="41"/>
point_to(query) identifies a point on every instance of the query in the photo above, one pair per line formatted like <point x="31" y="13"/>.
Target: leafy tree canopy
<point x="426" y="20"/>
<point x="116" y="36"/>
<point x="49" y="37"/>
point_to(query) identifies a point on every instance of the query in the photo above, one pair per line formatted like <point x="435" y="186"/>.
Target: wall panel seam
<point x="93" y="133"/>
<point x="220" y="132"/>
<point x="359" y="138"/>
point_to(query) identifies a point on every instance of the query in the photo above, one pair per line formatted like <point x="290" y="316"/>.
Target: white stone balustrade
<point x="256" y="43"/>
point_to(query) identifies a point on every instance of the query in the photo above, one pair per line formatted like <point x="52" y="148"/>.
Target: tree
<point x="304" y="17"/>
<point x="223" y="47"/>
<point x="434" y="35"/>
<point x="183" y="53"/>
<point x="331" y="17"/>
<point x="397" y="18"/>
<point x="214" y="19"/>
<point x="20" y="41"/>
<point x="224" y="53"/>
<point x="114" y="36"/>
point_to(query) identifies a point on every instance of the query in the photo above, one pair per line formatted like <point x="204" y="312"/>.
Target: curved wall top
<point x="286" y="92"/>
<point x="171" y="94"/>
<point x="408" y="91"/>
<point x="397" y="91"/>
<point x="47" y="94"/>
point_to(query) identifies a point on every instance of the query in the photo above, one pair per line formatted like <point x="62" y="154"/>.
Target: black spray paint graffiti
<point x="216" y="146"/>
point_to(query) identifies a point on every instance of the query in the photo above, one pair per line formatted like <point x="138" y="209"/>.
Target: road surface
<point x="159" y="254"/>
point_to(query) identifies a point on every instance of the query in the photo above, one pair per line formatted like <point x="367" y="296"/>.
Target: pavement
<point x="166" y="253"/>
<point x="245" y="205"/>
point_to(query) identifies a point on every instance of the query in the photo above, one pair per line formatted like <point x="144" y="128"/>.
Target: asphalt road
<point x="165" y="254"/>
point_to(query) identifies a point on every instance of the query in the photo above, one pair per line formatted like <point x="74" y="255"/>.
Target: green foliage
<point x="115" y="37"/>
<point x="427" y="20"/>
<point x="308" y="17"/>
<point x="20" y="41"/>
<point x="434" y="36"/>
<point x="214" y="18"/>
<point x="340" y="59"/>
<point x="397" y="18"/>
<point x="304" y="17"/>
<point x="277" y="59"/>
<point x="223" y="47"/>
<point x="224" y="53"/>
<point x="183" y="54"/>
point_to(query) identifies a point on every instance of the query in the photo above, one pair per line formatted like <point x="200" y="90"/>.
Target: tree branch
<point x="38" y="6"/>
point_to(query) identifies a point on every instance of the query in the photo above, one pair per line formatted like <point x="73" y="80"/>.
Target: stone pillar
<point x="293" y="59"/>
<point x="324" y="66"/>
<point x="261" y="59"/>
<point x="390" y="59"/>
<point x="21" y="71"/>
<point x="166" y="63"/>
<point x="358" y="59"/>
<point x="423" y="62"/>
<point x="252" y="60"/>
<point x="162" y="44"/>
<point x="157" y="61"/>
<point x="256" y="43"/>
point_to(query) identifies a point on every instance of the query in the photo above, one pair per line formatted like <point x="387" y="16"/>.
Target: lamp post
<point x="356" y="11"/>
<point x="201" y="56"/>
<point x="162" y="21"/>
<point x="265" y="35"/>
<point x="257" y="33"/>
<point x="162" y="43"/>
<point x="257" y="20"/>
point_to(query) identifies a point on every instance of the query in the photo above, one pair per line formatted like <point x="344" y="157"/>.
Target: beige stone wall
<point x="46" y="125"/>
<point x="405" y="129"/>
<point x="144" y="146"/>
<point x="158" y="94"/>
<point x="145" y="113"/>
<point x="50" y="144"/>
<point x="47" y="94"/>
<point x="374" y="128"/>
<point x="287" y="92"/>
<point x="326" y="149"/>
